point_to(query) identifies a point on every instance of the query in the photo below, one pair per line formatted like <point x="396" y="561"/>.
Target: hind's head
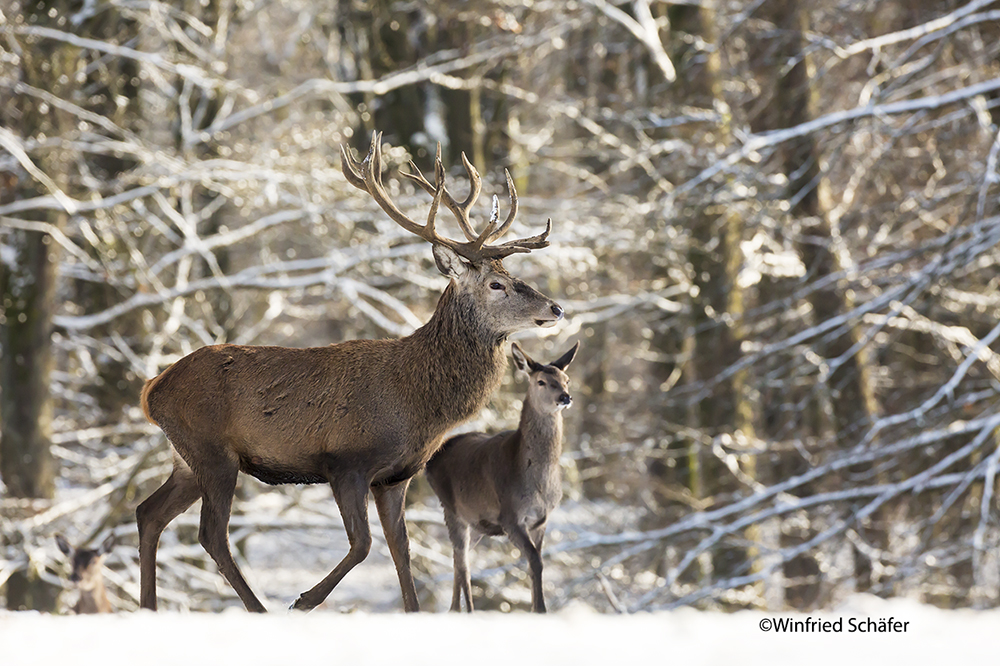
<point x="548" y="384"/>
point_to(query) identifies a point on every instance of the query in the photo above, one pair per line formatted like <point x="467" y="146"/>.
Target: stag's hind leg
<point x="177" y="493"/>
<point x="217" y="480"/>
<point x="351" y="493"/>
<point x="389" y="500"/>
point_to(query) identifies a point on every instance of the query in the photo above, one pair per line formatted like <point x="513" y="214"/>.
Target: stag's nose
<point x="557" y="311"/>
<point x="565" y="399"/>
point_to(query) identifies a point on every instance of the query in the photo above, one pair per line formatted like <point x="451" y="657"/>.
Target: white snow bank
<point x="575" y="635"/>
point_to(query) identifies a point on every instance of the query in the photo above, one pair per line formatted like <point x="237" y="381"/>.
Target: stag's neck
<point x="540" y="436"/>
<point x="456" y="317"/>
<point x="462" y="357"/>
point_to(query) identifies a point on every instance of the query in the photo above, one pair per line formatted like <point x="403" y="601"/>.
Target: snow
<point x="574" y="635"/>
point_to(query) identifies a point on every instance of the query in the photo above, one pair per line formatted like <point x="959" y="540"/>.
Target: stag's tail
<point x="147" y="388"/>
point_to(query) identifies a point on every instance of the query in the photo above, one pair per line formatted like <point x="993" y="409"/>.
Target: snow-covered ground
<point x="293" y="540"/>
<point x="574" y="635"/>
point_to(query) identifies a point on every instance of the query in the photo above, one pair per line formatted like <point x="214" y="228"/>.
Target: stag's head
<point x="503" y="303"/>
<point x="548" y="385"/>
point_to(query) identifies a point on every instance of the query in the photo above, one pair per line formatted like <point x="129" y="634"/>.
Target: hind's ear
<point x="64" y="545"/>
<point x="522" y="361"/>
<point x="563" y="361"/>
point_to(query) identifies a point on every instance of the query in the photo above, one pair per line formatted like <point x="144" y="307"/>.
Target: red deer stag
<point x="88" y="574"/>
<point x="359" y="415"/>
<point x="510" y="482"/>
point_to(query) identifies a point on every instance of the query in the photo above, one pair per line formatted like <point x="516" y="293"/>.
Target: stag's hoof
<point x="302" y="604"/>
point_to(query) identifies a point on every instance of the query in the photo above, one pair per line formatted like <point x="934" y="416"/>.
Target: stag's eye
<point x="541" y="382"/>
<point x="496" y="285"/>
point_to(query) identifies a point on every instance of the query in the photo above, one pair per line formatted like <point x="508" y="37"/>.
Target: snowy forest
<point x="775" y="229"/>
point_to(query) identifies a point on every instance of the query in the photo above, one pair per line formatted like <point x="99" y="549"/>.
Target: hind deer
<point x="88" y="574"/>
<point x="361" y="415"/>
<point x="507" y="483"/>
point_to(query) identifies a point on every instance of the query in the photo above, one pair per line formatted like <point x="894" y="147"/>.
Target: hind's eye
<point x="541" y="383"/>
<point x="496" y="285"/>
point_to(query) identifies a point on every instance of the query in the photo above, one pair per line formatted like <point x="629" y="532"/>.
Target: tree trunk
<point x="719" y="407"/>
<point x="846" y="398"/>
<point x="28" y="293"/>
<point x="29" y="297"/>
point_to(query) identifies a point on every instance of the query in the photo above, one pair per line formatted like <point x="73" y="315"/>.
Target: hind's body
<point x="506" y="483"/>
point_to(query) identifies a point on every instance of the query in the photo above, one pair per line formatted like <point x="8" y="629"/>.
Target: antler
<point x="367" y="176"/>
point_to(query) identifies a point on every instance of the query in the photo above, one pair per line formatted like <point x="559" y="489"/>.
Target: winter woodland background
<point x="775" y="228"/>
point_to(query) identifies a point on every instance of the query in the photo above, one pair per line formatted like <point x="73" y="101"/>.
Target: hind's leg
<point x="520" y="537"/>
<point x="537" y="535"/>
<point x="172" y="498"/>
<point x="218" y="485"/>
<point x="459" y="532"/>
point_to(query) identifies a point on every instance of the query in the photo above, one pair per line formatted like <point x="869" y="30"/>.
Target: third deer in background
<point x="88" y="575"/>
<point x="507" y="483"/>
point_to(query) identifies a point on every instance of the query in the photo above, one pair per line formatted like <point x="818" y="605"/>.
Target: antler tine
<point x="431" y="214"/>
<point x="350" y="167"/>
<point x="475" y="187"/>
<point x="375" y="155"/>
<point x="491" y="226"/>
<point x="372" y="167"/>
<point x="491" y="233"/>
<point x="521" y="245"/>
<point x="438" y="193"/>
<point x="417" y="176"/>
<point x="512" y="192"/>
<point x="353" y="169"/>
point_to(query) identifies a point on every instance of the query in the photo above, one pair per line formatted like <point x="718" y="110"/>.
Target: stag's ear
<point x="566" y="358"/>
<point x="108" y="544"/>
<point x="521" y="360"/>
<point x="448" y="262"/>
<point x="64" y="545"/>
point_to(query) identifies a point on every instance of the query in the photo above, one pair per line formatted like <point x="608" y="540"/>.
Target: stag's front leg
<point x="351" y="493"/>
<point x="390" y="503"/>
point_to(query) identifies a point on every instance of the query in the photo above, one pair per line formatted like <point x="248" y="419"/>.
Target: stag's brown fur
<point x="506" y="483"/>
<point x="291" y="415"/>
